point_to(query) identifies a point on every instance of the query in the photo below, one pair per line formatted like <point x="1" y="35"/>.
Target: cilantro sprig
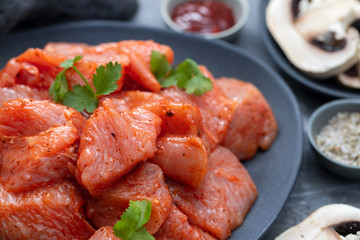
<point x="131" y="224"/>
<point x="186" y="75"/>
<point x="60" y="86"/>
<point x="83" y="96"/>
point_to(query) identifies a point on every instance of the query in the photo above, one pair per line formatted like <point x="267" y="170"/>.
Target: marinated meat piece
<point x="133" y="55"/>
<point x="253" y="125"/>
<point x="139" y="53"/>
<point x="183" y="159"/>
<point x="177" y="227"/>
<point x="181" y="152"/>
<point x="220" y="202"/>
<point x="112" y="143"/>
<point x="8" y="73"/>
<point x="99" y="54"/>
<point x="179" y="143"/>
<point x="22" y="91"/>
<point x="144" y="183"/>
<point x="38" y="143"/>
<point x="31" y="162"/>
<point x="52" y="212"/>
<point x="134" y="99"/>
<point x="35" y="68"/>
<point x="38" y="68"/>
<point x="177" y="118"/>
<point x="25" y="117"/>
<point x="146" y="47"/>
<point x="93" y="57"/>
<point x="66" y="49"/>
<point x="205" y="206"/>
<point x="215" y="108"/>
<point x="104" y="233"/>
<point x="240" y="190"/>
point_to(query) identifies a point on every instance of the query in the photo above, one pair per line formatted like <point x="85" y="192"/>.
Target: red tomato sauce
<point x="203" y="16"/>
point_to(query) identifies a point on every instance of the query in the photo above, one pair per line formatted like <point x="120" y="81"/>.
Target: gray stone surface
<point x="30" y="13"/>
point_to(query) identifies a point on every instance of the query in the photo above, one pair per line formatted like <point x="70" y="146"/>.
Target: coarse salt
<point x="340" y="138"/>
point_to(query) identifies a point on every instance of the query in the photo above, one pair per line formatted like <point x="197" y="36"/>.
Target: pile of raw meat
<point x="70" y="175"/>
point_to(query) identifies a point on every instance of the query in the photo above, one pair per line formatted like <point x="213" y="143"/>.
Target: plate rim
<point x="273" y="74"/>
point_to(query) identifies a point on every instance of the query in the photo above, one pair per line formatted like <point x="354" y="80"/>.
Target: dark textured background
<point x="20" y="14"/>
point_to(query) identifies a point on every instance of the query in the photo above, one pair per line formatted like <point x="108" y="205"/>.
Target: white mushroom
<point x="322" y="223"/>
<point x="350" y="78"/>
<point x="295" y="34"/>
<point x="331" y="15"/>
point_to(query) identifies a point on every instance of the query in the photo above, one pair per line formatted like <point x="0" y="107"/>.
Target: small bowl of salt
<point x="334" y="135"/>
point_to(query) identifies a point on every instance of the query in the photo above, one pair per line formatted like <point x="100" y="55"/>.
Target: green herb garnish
<point x="131" y="224"/>
<point x="186" y="75"/>
<point x="60" y="86"/>
<point x="83" y="97"/>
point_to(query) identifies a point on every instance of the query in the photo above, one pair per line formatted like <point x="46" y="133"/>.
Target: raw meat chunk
<point x="32" y="162"/>
<point x="222" y="200"/>
<point x="177" y="227"/>
<point x="112" y="143"/>
<point x="253" y="125"/>
<point x="25" y="117"/>
<point x="21" y="91"/>
<point x="104" y="233"/>
<point x="52" y="212"/>
<point x="144" y="183"/>
<point x="38" y="143"/>
<point x="215" y="108"/>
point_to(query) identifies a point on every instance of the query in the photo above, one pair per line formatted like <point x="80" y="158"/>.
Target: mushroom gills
<point x="329" y="42"/>
<point x="347" y="228"/>
<point x="330" y="222"/>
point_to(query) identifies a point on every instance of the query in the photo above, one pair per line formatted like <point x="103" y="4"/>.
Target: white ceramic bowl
<point x="240" y="9"/>
<point x="319" y="119"/>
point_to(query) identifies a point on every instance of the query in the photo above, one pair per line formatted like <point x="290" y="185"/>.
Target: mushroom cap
<point x="319" y="225"/>
<point x="295" y="38"/>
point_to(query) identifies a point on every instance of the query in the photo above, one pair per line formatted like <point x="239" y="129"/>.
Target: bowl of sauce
<point x="334" y="135"/>
<point x="212" y="19"/>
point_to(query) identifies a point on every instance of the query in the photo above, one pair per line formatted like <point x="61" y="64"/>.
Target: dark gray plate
<point x="327" y="87"/>
<point x="273" y="171"/>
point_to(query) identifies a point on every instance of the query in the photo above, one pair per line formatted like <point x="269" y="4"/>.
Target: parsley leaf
<point x="60" y="86"/>
<point x="197" y="84"/>
<point x="159" y="65"/>
<point x="186" y="75"/>
<point x="105" y="79"/>
<point x="169" y="81"/>
<point x="83" y="97"/>
<point x="130" y="226"/>
<point x="70" y="63"/>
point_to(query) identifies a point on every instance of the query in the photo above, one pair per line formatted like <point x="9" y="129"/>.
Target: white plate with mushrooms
<point x="316" y="42"/>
